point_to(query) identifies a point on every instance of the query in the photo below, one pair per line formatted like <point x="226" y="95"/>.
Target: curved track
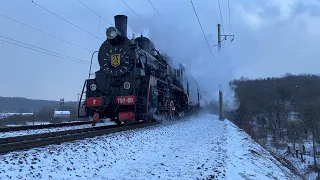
<point x="43" y="126"/>
<point x="31" y="141"/>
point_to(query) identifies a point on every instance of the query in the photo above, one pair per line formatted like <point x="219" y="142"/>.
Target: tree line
<point x="285" y="108"/>
<point x="24" y="105"/>
<point x="45" y="114"/>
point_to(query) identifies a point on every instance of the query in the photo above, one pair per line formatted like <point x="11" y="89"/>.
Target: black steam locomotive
<point x="136" y="82"/>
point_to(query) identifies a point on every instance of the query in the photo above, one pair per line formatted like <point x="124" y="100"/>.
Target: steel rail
<point x="43" y="126"/>
<point x="38" y="140"/>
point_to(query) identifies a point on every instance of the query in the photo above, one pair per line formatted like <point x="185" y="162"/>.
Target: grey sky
<point x="272" y="37"/>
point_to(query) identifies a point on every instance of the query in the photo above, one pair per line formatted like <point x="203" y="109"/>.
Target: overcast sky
<point x="272" y="37"/>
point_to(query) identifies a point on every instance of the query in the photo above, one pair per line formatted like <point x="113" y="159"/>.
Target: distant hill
<point x="21" y="105"/>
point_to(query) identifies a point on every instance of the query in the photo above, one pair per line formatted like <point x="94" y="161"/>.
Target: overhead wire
<point x="42" y="50"/>
<point x="154" y="7"/>
<point x="131" y="9"/>
<point x="94" y="12"/>
<point x="221" y="25"/>
<point x="221" y="17"/>
<point x="99" y="26"/>
<point x="229" y="16"/>
<point x="202" y="30"/>
<point x="64" y="19"/>
<point x="230" y="32"/>
<point x="43" y="32"/>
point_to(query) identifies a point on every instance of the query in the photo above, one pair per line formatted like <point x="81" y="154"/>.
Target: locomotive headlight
<point x="93" y="87"/>
<point x="112" y="32"/>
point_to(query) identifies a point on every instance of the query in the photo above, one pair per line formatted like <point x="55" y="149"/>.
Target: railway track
<point x="43" y="126"/>
<point x="37" y="140"/>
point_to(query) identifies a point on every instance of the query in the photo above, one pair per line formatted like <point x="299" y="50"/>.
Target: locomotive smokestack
<point x="121" y="24"/>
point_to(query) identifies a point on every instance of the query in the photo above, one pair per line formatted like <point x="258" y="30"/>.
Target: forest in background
<point x="24" y="105"/>
<point x="42" y="110"/>
<point x="286" y="109"/>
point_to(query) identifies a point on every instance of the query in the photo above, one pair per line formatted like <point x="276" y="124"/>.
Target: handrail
<point x="80" y="100"/>
<point x="91" y="63"/>
<point x="84" y="85"/>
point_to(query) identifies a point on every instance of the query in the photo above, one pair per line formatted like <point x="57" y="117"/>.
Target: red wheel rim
<point x="95" y="117"/>
<point x="171" y="110"/>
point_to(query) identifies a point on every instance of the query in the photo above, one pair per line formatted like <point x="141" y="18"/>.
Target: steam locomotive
<point x="136" y="82"/>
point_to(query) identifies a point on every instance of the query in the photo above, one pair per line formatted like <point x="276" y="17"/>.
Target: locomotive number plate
<point x="115" y="60"/>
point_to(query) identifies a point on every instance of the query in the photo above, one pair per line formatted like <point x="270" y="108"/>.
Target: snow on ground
<point x="195" y="148"/>
<point x="37" y="123"/>
<point x="249" y="160"/>
<point x="301" y="167"/>
<point x="47" y="130"/>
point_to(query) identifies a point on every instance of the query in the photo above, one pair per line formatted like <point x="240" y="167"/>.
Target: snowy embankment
<point x="48" y="130"/>
<point x="249" y="160"/>
<point x="198" y="147"/>
<point x="305" y="167"/>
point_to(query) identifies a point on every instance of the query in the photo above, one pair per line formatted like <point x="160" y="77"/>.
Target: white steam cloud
<point x="190" y="49"/>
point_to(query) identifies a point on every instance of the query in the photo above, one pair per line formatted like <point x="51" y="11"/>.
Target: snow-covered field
<point x="47" y="130"/>
<point x="200" y="147"/>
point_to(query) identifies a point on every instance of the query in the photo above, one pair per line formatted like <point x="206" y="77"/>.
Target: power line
<point x="229" y="16"/>
<point x="42" y="50"/>
<point x="154" y="7"/>
<point x="65" y="19"/>
<point x="99" y="26"/>
<point x="221" y="17"/>
<point x="202" y="29"/>
<point x="130" y="8"/>
<point x="229" y="21"/>
<point x="45" y="33"/>
<point x="94" y="12"/>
